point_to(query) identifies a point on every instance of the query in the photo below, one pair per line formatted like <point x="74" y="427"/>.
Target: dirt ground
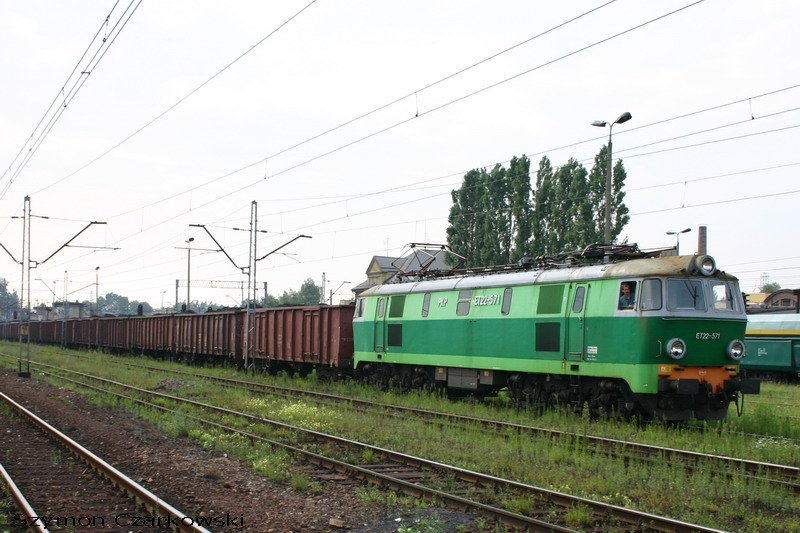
<point x="200" y="482"/>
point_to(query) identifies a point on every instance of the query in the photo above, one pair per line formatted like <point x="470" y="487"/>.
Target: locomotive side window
<point x="651" y="295"/>
<point x="550" y="298"/>
<point x="426" y="303"/>
<point x="548" y="337"/>
<point x="360" y="308"/>
<point x="394" y="335"/>
<point x="464" y="299"/>
<point x="577" y="303"/>
<point x="381" y="307"/>
<point x="723" y="296"/>
<point x="685" y="294"/>
<point x="505" y="308"/>
<point x="396" y="306"/>
<point x="627" y="295"/>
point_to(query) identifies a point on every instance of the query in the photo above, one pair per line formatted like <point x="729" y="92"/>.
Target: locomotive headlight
<point x="676" y="348"/>
<point x="736" y="350"/>
<point x="705" y="264"/>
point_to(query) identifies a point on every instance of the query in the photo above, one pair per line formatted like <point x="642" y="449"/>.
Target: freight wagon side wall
<point x="207" y="333"/>
<point x="9" y="330"/>
<point x="320" y="335"/>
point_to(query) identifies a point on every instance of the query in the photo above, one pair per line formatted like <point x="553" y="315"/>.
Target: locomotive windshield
<point x="698" y="295"/>
<point x="685" y="294"/>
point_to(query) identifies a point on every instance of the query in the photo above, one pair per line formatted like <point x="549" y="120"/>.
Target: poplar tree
<point x="521" y="223"/>
<point x="490" y="219"/>
<point x="464" y="216"/>
<point x="543" y="200"/>
<point x="597" y="189"/>
<point x="496" y="218"/>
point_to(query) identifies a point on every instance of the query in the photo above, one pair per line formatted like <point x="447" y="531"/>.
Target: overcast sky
<point x="384" y="180"/>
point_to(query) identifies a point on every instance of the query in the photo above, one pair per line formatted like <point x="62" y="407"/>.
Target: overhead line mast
<point x="27" y="265"/>
<point x="250" y="271"/>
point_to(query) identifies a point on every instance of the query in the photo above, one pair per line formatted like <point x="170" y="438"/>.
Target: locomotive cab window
<point x="381" y="307"/>
<point x="577" y="303"/>
<point x="651" y="299"/>
<point x="627" y="295"/>
<point x="360" y="308"/>
<point x="723" y="296"/>
<point x="426" y="303"/>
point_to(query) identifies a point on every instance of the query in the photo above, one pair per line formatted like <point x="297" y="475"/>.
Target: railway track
<point x="783" y="475"/>
<point x="428" y="480"/>
<point x="46" y="475"/>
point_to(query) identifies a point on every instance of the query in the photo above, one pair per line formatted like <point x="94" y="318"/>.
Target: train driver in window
<point x="627" y="294"/>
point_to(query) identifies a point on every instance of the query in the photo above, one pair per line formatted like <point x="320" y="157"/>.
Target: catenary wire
<point x="408" y="222"/>
<point x="326" y="132"/>
<point x="396" y="124"/>
<point x="295" y="230"/>
<point x="60" y="91"/>
<point x="107" y="43"/>
<point x="180" y="101"/>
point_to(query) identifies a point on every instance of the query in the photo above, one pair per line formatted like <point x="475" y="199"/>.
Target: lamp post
<point x="625" y="117"/>
<point x="678" y="239"/>
<point x="66" y="279"/>
<point x="97" y="290"/>
<point x="189" y="273"/>
<point x="162" y="300"/>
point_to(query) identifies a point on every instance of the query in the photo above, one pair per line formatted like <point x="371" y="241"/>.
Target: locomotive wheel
<point x="603" y="405"/>
<point x="527" y="392"/>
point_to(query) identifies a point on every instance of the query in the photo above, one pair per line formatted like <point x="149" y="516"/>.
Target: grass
<point x="579" y="516"/>
<point x="389" y="498"/>
<point x="704" y="496"/>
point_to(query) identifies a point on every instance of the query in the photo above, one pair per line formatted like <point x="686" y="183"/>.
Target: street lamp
<point x="189" y="273"/>
<point x="678" y="239"/>
<point x="625" y="117"/>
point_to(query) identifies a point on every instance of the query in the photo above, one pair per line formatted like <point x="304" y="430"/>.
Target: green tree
<point x="9" y="301"/>
<point x="309" y="294"/>
<point x="519" y="173"/>
<point x="490" y="219"/>
<point x="496" y="218"/>
<point x="770" y="287"/>
<point x="462" y="233"/>
<point x="543" y="200"/>
<point x="562" y="212"/>
<point x="116" y="304"/>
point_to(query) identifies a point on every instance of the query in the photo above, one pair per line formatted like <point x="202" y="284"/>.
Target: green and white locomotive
<point x="648" y="337"/>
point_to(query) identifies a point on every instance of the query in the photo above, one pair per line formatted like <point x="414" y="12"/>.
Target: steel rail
<point x="505" y="517"/>
<point x="789" y="475"/>
<point x="21" y="502"/>
<point x="149" y="500"/>
<point x="630" y="516"/>
<point x="784" y="475"/>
